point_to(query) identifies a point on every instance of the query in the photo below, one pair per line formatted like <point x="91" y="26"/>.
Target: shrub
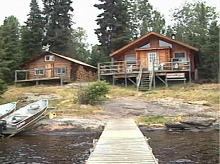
<point x="93" y="93"/>
<point x="3" y="87"/>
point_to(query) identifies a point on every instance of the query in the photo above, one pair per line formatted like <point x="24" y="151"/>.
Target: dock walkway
<point x="122" y="143"/>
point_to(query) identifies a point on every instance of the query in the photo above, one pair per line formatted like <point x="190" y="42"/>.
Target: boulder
<point x="198" y="121"/>
<point x="177" y="126"/>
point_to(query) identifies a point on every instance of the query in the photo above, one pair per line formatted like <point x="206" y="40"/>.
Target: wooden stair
<point x="146" y="82"/>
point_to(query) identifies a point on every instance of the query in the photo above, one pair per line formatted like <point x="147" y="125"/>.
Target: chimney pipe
<point x="173" y="36"/>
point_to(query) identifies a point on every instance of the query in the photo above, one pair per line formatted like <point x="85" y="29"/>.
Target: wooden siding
<point x="74" y="72"/>
<point x="41" y="63"/>
<point x="164" y="54"/>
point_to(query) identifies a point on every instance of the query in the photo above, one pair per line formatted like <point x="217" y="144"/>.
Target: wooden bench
<point x="175" y="77"/>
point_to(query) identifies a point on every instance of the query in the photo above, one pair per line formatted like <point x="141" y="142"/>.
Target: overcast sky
<point x="84" y="12"/>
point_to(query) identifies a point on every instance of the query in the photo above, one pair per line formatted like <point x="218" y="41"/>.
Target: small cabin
<point x="51" y="66"/>
<point x="151" y="55"/>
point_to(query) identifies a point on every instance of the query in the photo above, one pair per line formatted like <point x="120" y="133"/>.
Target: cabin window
<point x="49" y="58"/>
<point x="61" y="71"/>
<point x="146" y="46"/>
<point x="164" y="44"/>
<point x="179" y="56"/>
<point x="39" y="71"/>
<point x="130" y="59"/>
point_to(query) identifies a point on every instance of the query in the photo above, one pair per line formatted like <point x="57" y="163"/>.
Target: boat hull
<point x="12" y="129"/>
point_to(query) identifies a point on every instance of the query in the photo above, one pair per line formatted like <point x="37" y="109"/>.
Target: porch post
<point x="99" y="71"/>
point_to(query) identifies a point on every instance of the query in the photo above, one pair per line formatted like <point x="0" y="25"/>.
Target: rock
<point x="177" y="126"/>
<point x="198" y="121"/>
<point x="198" y="102"/>
<point x="183" y="161"/>
<point x="83" y="106"/>
<point x="216" y="125"/>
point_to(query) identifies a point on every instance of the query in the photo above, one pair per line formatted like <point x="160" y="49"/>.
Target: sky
<point x="85" y="14"/>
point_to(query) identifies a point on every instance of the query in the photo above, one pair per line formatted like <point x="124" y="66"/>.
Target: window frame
<point x="131" y="60"/>
<point x="184" y="58"/>
<point x="61" y="69"/>
<point x="36" y="72"/>
<point x="51" y="57"/>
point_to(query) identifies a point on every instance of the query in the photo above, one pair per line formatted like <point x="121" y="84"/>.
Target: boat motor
<point x="2" y="126"/>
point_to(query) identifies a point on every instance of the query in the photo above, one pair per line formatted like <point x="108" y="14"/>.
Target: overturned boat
<point x="23" y="118"/>
<point x="7" y="109"/>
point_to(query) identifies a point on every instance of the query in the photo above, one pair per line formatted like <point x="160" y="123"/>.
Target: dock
<point x="122" y="142"/>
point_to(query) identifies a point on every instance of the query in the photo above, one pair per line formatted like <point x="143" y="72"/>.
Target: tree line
<point x="120" y="22"/>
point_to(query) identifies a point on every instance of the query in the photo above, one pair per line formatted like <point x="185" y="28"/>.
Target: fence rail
<point x="40" y="74"/>
<point x="121" y="67"/>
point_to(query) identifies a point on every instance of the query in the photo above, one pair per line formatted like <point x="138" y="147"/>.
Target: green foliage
<point x="58" y="24"/>
<point x="97" y="56"/>
<point x="93" y="93"/>
<point x="196" y="24"/>
<point x="77" y="46"/>
<point x="10" y="52"/>
<point x="114" y="25"/>
<point x="3" y="87"/>
<point x="145" y="19"/>
<point x="154" y="119"/>
<point x="32" y="33"/>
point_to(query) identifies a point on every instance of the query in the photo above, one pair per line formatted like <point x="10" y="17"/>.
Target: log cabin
<point x="151" y="58"/>
<point x="51" y="66"/>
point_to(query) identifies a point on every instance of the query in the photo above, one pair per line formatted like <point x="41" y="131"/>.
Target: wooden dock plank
<point x="122" y="143"/>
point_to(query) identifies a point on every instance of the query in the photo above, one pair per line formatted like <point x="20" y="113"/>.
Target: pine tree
<point x="96" y="56"/>
<point x="114" y="25"/>
<point x="144" y="19"/>
<point x="58" y="24"/>
<point x="77" y="46"/>
<point x="10" y="54"/>
<point x="32" y="33"/>
<point x="193" y="26"/>
<point x="210" y="54"/>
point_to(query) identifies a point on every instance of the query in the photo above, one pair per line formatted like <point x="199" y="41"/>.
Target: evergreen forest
<point x="119" y="22"/>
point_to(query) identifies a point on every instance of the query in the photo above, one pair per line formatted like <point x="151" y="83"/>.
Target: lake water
<point x="72" y="147"/>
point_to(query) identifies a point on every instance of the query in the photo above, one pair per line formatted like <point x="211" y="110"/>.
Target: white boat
<point x="7" y="109"/>
<point x="23" y="117"/>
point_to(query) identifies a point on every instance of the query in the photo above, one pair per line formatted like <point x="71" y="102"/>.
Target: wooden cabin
<point x="51" y="66"/>
<point x="151" y="57"/>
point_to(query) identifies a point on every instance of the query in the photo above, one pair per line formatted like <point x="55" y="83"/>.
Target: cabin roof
<point x="145" y="37"/>
<point x="64" y="57"/>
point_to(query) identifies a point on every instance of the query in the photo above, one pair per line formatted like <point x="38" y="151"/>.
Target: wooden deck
<point x="122" y="143"/>
<point x="39" y="79"/>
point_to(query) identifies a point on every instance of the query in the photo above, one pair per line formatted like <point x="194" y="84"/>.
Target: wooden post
<point x="126" y="80"/>
<point x="37" y="82"/>
<point x="16" y="78"/>
<point x="26" y="75"/>
<point x="61" y="79"/>
<point x="154" y="75"/>
<point x="99" y="71"/>
<point x="113" y="79"/>
<point x="190" y="76"/>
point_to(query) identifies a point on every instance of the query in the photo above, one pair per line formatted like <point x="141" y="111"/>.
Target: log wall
<point x="74" y="71"/>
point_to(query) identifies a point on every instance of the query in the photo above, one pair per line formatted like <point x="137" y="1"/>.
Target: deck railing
<point x="37" y="75"/>
<point x="118" y="67"/>
<point x="173" y="66"/>
<point x="121" y="67"/>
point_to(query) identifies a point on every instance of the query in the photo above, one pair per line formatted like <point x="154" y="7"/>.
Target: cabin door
<point x="152" y="57"/>
<point x="50" y="71"/>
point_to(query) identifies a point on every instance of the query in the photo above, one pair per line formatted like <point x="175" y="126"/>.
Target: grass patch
<point x="65" y="103"/>
<point x="149" y="120"/>
<point x="117" y="92"/>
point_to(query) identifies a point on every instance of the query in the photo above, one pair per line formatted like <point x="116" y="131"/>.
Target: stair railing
<point x="139" y="76"/>
<point x="151" y="76"/>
